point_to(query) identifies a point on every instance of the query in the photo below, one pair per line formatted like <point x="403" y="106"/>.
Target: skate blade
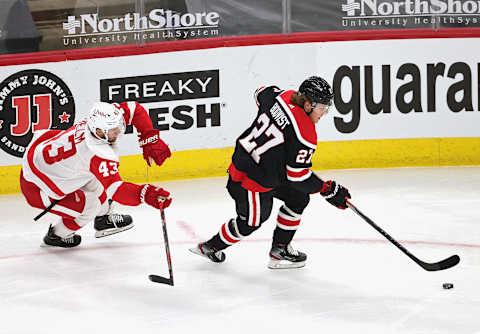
<point x="110" y="231"/>
<point x="196" y="250"/>
<point x="44" y="245"/>
<point x="284" y="264"/>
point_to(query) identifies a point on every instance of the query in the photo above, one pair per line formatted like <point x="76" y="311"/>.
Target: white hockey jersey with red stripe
<point x="61" y="162"/>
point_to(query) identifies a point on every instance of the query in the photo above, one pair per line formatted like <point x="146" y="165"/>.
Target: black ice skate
<point x="211" y="253"/>
<point x="111" y="224"/>
<point x="51" y="239"/>
<point x="283" y="256"/>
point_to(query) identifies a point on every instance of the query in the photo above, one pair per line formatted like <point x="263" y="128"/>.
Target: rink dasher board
<point x="392" y="108"/>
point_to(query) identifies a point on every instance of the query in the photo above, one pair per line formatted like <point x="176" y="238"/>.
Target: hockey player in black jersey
<point x="272" y="159"/>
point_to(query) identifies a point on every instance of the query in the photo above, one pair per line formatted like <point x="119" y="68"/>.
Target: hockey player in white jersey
<point x="78" y="167"/>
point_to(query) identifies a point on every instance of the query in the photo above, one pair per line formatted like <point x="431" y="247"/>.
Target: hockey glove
<point x="335" y="194"/>
<point x="157" y="197"/>
<point x="154" y="148"/>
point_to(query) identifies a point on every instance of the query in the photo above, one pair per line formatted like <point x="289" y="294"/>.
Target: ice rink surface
<point x="354" y="281"/>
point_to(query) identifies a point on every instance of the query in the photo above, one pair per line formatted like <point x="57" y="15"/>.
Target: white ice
<point x="354" y="281"/>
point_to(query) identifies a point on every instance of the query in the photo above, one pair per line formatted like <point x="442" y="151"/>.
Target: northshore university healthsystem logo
<point x="30" y="101"/>
<point x="365" y="13"/>
<point x="157" y="24"/>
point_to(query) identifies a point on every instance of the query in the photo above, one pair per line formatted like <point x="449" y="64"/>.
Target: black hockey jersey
<point x="277" y="148"/>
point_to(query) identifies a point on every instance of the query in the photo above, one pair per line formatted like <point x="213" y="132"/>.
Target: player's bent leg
<point x="62" y="236"/>
<point x="76" y="210"/>
<point x="107" y="220"/>
<point x="282" y="255"/>
<point x="111" y="222"/>
<point x="252" y="208"/>
<point x="226" y="237"/>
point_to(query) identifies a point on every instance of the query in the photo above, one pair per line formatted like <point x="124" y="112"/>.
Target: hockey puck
<point x="447" y="285"/>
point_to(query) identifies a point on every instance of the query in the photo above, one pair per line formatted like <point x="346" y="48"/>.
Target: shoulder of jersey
<point x="302" y="124"/>
<point x="270" y="91"/>
<point x="99" y="148"/>
<point x="128" y="109"/>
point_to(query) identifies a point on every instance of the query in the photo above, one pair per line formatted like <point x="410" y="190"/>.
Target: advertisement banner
<point x="203" y="99"/>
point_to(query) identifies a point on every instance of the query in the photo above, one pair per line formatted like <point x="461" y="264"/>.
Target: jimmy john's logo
<point x="30" y="101"/>
<point x="170" y="98"/>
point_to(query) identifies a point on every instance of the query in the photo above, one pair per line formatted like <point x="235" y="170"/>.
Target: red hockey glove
<point x="154" y="148"/>
<point x="335" y="194"/>
<point x="157" y="197"/>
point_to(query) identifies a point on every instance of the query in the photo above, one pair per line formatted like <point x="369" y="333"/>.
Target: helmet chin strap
<point x="105" y="140"/>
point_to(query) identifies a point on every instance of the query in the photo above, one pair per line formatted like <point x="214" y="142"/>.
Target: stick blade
<point x="160" y="279"/>
<point x="442" y="265"/>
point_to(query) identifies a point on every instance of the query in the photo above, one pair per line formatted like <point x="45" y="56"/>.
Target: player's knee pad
<point x="298" y="203"/>
<point x="287" y="219"/>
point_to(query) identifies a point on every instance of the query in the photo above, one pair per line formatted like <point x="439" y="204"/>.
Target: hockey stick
<point x="47" y="209"/>
<point x="441" y="265"/>
<point x="160" y="279"/>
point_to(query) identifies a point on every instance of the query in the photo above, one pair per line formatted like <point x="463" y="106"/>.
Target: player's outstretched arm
<point x="154" y="148"/>
<point x="135" y="194"/>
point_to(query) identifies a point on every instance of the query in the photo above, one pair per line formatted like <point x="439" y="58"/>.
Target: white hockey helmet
<point x="108" y="119"/>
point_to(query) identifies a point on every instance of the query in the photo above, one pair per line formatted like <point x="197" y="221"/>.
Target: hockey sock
<point x="65" y="227"/>
<point x="230" y="233"/>
<point x="227" y="236"/>
<point x="287" y="224"/>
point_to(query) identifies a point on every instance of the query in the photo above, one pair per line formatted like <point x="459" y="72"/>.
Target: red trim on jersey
<point x="304" y="123"/>
<point x="298" y="174"/>
<point x="128" y="194"/>
<point x="254" y="208"/>
<point x="74" y="201"/>
<point x="31" y="192"/>
<point x="109" y="167"/>
<point x="49" y="183"/>
<point x="286" y="222"/>
<point x="247" y="183"/>
<point x="138" y="117"/>
<point x="127" y="114"/>
<point x="103" y="197"/>
<point x="70" y="224"/>
<point x="226" y="236"/>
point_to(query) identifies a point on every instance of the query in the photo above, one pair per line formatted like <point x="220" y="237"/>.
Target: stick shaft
<point x="47" y="209"/>
<point x="167" y="245"/>
<point x="441" y="265"/>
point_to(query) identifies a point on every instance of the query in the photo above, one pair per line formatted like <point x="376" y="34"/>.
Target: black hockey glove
<point x="335" y="194"/>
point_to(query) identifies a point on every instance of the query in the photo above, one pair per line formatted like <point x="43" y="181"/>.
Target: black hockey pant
<point x="254" y="208"/>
